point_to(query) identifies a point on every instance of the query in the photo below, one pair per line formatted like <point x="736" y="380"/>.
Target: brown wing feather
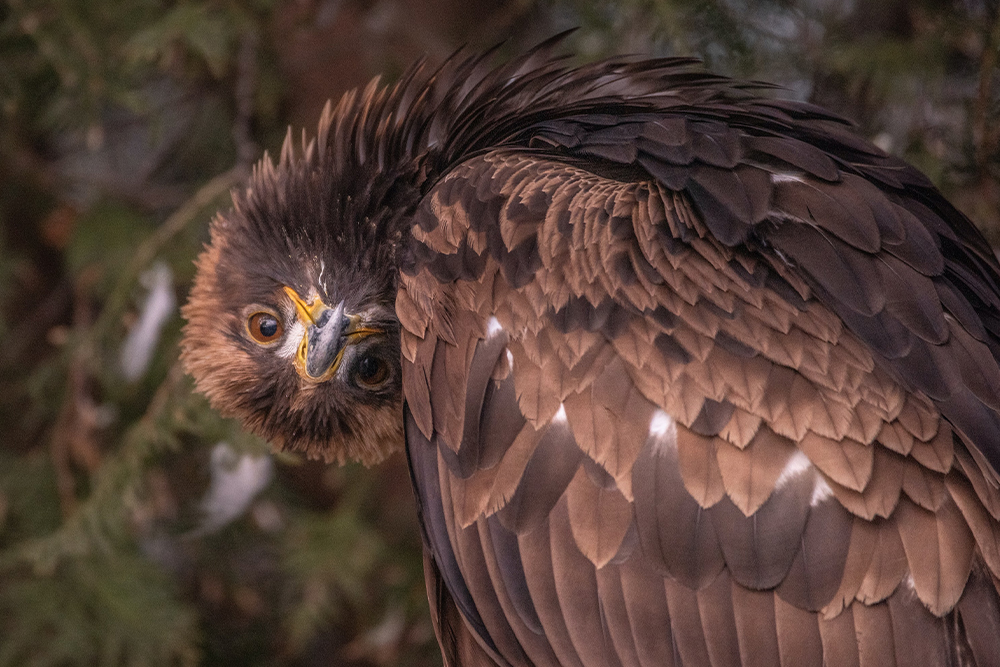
<point x="536" y="557"/>
<point x="818" y="567"/>
<point x="616" y="616"/>
<point x="459" y="644"/>
<point x="799" y="639"/>
<point x="576" y="586"/>
<point x="920" y="637"/>
<point x="980" y="618"/>
<point x="686" y="629"/>
<point x="886" y="566"/>
<point x="938" y="548"/>
<point x="756" y="628"/>
<point x="840" y="639"/>
<point x="715" y="608"/>
<point x="872" y="627"/>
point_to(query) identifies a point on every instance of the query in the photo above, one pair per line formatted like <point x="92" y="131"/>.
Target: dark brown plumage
<point x="687" y="375"/>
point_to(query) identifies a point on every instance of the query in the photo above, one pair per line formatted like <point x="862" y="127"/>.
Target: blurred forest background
<point x="137" y="528"/>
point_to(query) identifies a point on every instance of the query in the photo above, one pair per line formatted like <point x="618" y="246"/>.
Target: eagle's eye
<point x="372" y="371"/>
<point x="264" y="327"/>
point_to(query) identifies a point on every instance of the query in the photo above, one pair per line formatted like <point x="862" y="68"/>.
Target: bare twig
<point x="73" y="434"/>
<point x="33" y="326"/>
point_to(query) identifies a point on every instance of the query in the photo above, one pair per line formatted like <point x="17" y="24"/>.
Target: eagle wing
<point x="703" y="387"/>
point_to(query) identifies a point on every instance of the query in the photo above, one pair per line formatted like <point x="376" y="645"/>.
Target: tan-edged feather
<point x="987" y="493"/>
<point x="508" y="474"/>
<point x="599" y="517"/>
<point x="896" y="437"/>
<point x="937" y="453"/>
<point x="919" y="417"/>
<point x="862" y="542"/>
<point x="741" y="428"/>
<point x="881" y="493"/>
<point x="699" y="467"/>
<point x="576" y="587"/>
<point x="923" y="486"/>
<point x="749" y="475"/>
<point x="847" y="462"/>
<point x="788" y="403"/>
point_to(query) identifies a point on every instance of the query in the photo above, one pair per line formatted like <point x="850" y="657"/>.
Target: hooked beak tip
<point x="323" y="343"/>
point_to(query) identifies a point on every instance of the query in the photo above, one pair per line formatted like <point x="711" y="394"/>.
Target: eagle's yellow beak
<point x="328" y="332"/>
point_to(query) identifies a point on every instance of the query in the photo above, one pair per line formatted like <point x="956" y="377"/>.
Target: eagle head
<point x="291" y="325"/>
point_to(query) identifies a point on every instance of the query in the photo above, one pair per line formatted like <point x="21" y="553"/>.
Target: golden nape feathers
<point x="687" y="375"/>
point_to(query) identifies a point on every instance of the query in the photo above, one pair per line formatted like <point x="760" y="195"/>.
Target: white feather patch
<point x="798" y="464"/>
<point x="821" y="492"/>
<point x="560" y="416"/>
<point x="663" y="431"/>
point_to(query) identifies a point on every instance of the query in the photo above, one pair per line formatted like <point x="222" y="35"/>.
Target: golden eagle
<point x="685" y="374"/>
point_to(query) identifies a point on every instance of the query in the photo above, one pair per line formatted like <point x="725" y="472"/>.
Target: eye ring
<point x="372" y="371"/>
<point x="264" y="327"/>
